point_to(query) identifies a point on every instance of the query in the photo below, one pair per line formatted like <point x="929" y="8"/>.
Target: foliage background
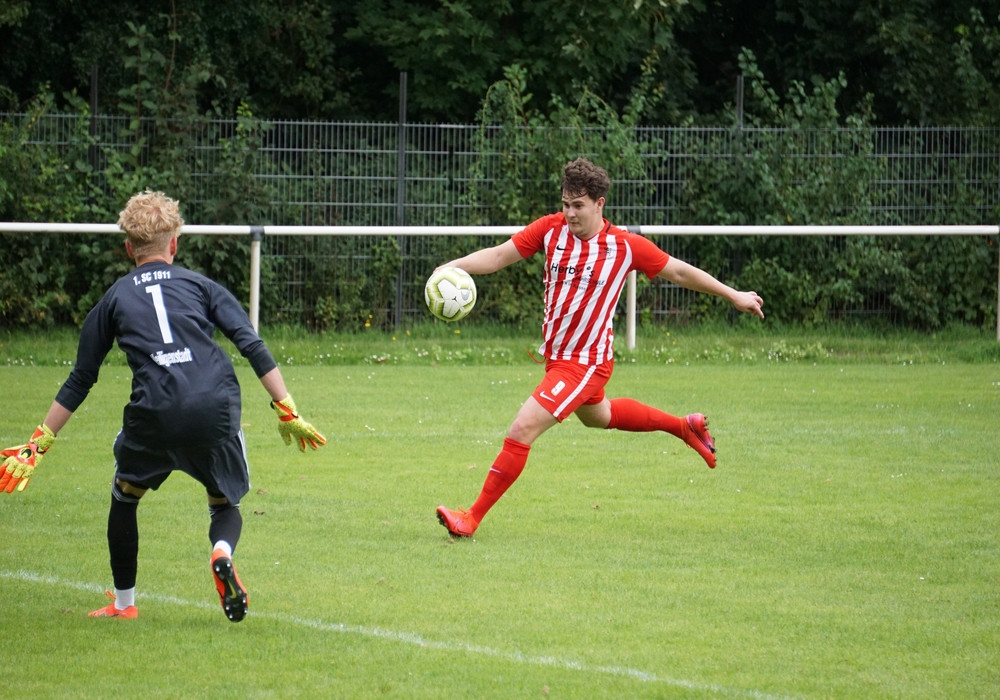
<point x="179" y="73"/>
<point x="922" y="61"/>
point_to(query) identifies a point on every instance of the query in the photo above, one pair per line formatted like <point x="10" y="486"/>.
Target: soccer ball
<point x="450" y="294"/>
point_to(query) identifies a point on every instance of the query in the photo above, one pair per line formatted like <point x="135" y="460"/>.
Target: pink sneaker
<point x="697" y="437"/>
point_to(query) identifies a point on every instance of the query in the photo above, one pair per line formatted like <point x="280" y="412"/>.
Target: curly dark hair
<point x="583" y="177"/>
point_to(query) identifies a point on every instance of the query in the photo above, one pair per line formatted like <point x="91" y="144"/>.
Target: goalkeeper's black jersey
<point x="184" y="388"/>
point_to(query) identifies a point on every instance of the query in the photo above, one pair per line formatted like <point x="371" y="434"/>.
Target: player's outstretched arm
<point x="487" y="260"/>
<point x="690" y="277"/>
<point x="290" y="424"/>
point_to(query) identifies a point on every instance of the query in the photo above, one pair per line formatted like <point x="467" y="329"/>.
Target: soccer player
<point x="586" y="264"/>
<point x="184" y="411"/>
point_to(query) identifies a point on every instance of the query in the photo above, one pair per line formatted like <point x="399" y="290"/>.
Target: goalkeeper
<point x="184" y="410"/>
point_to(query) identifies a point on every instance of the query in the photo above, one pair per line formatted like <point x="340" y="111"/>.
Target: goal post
<point x="257" y="234"/>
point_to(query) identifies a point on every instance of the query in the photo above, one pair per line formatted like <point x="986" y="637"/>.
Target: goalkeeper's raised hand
<point x="290" y="425"/>
<point x="20" y="462"/>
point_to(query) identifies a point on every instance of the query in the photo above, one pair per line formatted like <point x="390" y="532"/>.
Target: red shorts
<point x="569" y="385"/>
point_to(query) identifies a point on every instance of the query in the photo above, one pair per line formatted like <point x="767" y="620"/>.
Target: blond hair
<point x="150" y="220"/>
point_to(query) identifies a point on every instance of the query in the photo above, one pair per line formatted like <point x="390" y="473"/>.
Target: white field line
<point x="418" y="640"/>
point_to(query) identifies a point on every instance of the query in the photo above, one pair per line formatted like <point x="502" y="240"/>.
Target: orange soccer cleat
<point x="109" y="610"/>
<point x="459" y="522"/>
<point x="232" y="595"/>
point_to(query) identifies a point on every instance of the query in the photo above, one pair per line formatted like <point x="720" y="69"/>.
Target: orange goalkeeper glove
<point x="20" y="462"/>
<point x="290" y="425"/>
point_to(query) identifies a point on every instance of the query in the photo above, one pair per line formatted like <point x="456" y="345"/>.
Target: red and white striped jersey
<point x="583" y="281"/>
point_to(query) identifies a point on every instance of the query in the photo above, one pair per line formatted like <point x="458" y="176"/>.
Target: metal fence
<point x="372" y="174"/>
<point x="386" y="174"/>
<point x="378" y="174"/>
<point x="920" y="171"/>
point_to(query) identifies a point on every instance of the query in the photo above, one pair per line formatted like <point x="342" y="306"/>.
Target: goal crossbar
<point x="257" y="233"/>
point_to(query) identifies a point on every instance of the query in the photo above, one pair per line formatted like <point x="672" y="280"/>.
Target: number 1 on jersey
<point x="161" y="312"/>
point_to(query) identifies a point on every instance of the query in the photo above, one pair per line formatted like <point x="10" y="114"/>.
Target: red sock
<point x="506" y="468"/>
<point x="635" y="417"/>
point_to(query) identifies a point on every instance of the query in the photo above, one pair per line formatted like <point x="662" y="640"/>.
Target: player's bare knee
<point x="595" y="416"/>
<point x="522" y="431"/>
<point x="589" y="421"/>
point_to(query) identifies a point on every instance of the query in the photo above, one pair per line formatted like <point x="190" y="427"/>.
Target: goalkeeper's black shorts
<point x="222" y="468"/>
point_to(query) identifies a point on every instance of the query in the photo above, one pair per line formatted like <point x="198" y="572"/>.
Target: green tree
<point x="923" y="61"/>
<point x="282" y="58"/>
<point x="453" y="50"/>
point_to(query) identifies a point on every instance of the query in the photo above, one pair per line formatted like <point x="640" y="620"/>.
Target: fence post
<point x="630" y="312"/>
<point x="401" y="241"/>
<point x="256" y="236"/>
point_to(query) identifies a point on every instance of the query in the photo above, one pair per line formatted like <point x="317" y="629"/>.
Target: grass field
<point x="845" y="547"/>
